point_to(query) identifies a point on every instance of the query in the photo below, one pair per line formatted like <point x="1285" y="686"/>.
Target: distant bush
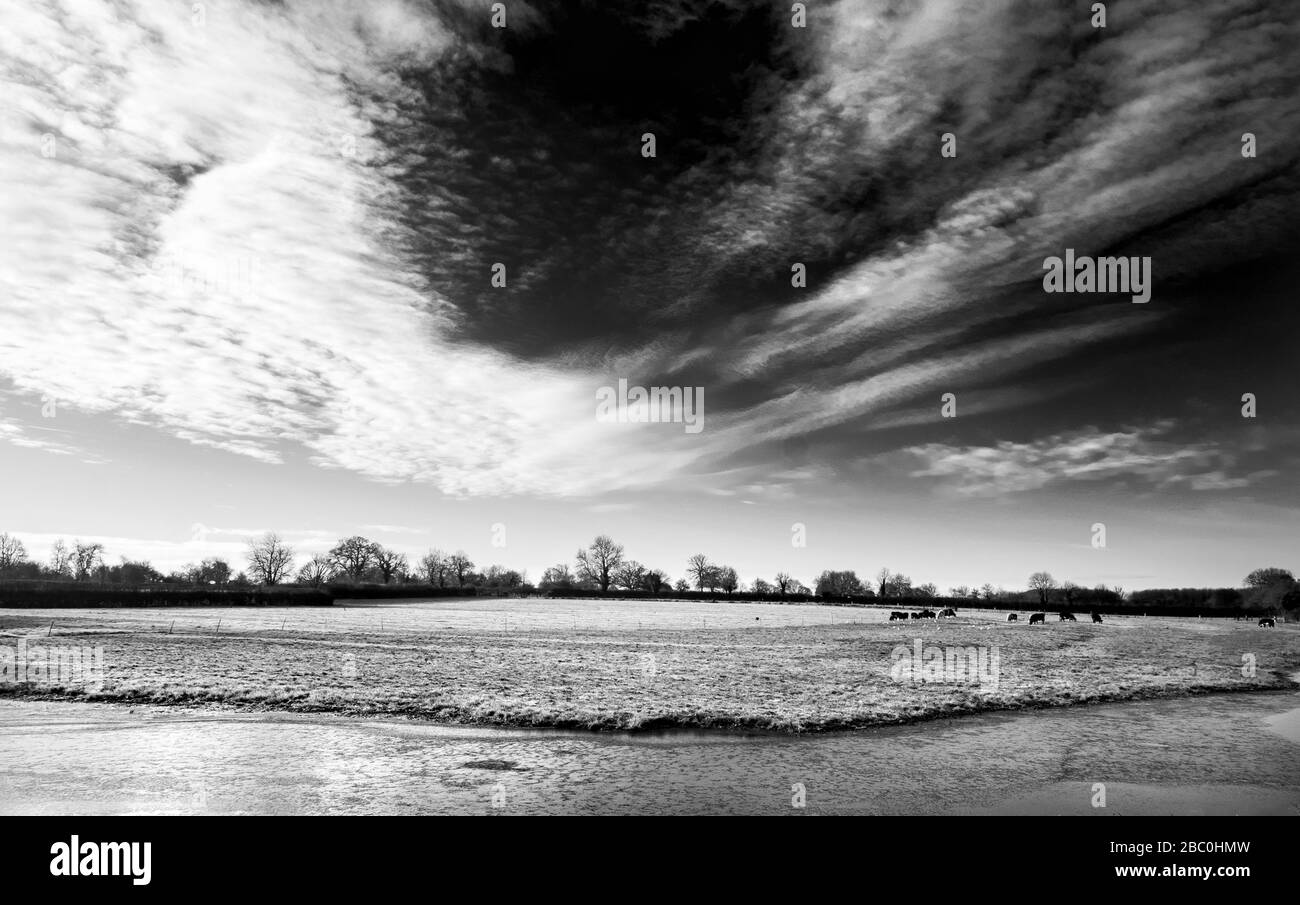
<point x="1192" y="601"/>
<point x="380" y="591"/>
<point x="67" y="594"/>
<point x="670" y="594"/>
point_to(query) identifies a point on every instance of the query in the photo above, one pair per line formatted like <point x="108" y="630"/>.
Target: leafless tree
<point x="558" y="576"/>
<point x="883" y="579"/>
<point x="390" y="563"/>
<point x="353" y="556"/>
<point x="269" y="558"/>
<point x="1043" y="583"/>
<point x="86" y="558"/>
<point x="630" y="575"/>
<point x="60" y="559"/>
<point x="784" y="583"/>
<point x="698" y="567"/>
<point x="434" y="566"/>
<point x="460" y="565"/>
<point x="600" y="561"/>
<point x="318" y="570"/>
<point x="12" y="552"/>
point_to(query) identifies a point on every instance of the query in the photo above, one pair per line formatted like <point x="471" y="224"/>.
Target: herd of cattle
<point x="1034" y="618"/>
<point x="949" y="613"/>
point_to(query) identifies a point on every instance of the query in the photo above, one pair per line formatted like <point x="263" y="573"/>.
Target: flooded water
<point x="1225" y="754"/>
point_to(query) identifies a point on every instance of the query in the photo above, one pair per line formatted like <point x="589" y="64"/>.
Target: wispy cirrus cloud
<point x="269" y="232"/>
<point x="1143" y="458"/>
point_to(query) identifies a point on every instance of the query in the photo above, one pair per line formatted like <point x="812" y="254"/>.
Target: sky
<point x="247" y="283"/>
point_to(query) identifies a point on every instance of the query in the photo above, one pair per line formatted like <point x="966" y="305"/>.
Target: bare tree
<point x="600" y="561"/>
<point x="318" y="570"/>
<point x="727" y="579"/>
<point x="353" y="556"/>
<point x="60" y="559"/>
<point x="1043" y="583"/>
<point x="559" y="576"/>
<point x="269" y="558"/>
<point x="389" y="562"/>
<point x="698" y="567"/>
<point x="784" y="583"/>
<point x="883" y="578"/>
<point x="630" y="575"/>
<point x="86" y="558"/>
<point x="434" y="567"/>
<point x="12" y="552"/>
<point x="460" y="565"/>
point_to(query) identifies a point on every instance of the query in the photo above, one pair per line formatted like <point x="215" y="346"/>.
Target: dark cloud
<point x="821" y="146"/>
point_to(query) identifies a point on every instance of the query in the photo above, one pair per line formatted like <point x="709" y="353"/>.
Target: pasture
<point x="641" y="664"/>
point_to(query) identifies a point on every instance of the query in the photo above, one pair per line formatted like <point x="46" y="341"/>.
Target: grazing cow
<point x="949" y="613"/>
<point x="926" y="614"/>
<point x="1037" y="618"/>
<point x="916" y="616"/>
<point x="1012" y="617"/>
<point x="1268" y="622"/>
<point x="896" y="615"/>
<point x="1096" y="617"/>
<point x="1068" y="617"/>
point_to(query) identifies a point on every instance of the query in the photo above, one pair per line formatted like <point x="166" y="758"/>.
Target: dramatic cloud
<point x="270" y="229"/>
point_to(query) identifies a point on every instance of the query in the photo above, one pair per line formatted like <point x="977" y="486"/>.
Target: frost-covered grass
<point x="642" y="664"/>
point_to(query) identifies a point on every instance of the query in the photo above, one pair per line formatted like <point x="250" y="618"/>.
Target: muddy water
<point x="1229" y="754"/>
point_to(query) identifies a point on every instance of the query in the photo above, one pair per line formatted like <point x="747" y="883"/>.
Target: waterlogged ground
<point x="620" y="665"/>
<point x="1221" y="754"/>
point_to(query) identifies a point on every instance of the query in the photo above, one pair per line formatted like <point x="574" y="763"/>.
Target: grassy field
<point x="636" y="665"/>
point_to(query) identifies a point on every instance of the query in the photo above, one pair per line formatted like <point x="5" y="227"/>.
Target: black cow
<point x="896" y="615"/>
<point x="1096" y="617"/>
<point x="1268" y="622"/>
<point x="1036" y="618"/>
<point x="1013" y="618"/>
<point x="926" y="614"/>
<point x="949" y="613"/>
<point x="1068" y="617"/>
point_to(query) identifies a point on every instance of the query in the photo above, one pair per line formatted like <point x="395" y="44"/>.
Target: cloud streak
<point x="269" y="233"/>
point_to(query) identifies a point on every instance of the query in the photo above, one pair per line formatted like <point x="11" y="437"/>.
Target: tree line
<point x="603" y="567"/>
